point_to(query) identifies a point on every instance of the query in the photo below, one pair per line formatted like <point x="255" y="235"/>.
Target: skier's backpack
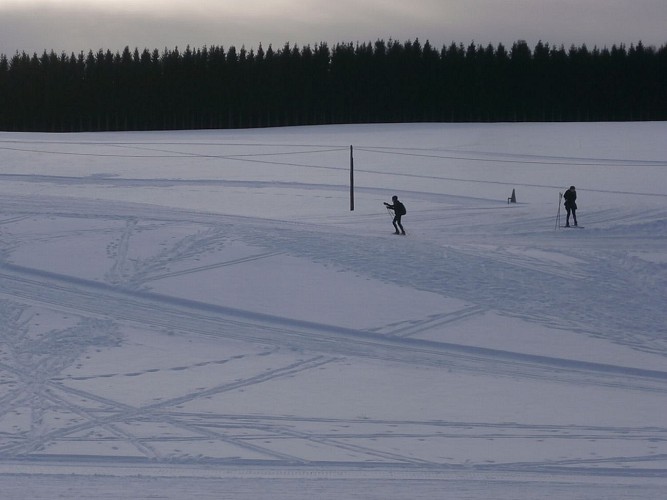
<point x="399" y="208"/>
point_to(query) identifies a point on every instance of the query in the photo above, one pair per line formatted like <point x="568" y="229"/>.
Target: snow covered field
<point x="200" y="314"/>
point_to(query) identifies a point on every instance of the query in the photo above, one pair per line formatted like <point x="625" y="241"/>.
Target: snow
<point x="199" y="314"/>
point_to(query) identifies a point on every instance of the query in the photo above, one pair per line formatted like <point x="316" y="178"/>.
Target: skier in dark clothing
<point x="570" y="205"/>
<point x="399" y="211"/>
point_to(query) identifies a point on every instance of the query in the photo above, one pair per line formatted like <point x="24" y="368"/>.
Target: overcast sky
<point x="82" y="25"/>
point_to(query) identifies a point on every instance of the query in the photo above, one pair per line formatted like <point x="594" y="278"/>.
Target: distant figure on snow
<point x="571" y="205"/>
<point x="399" y="211"/>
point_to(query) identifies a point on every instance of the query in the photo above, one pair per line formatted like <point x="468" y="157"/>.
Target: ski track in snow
<point x="47" y="412"/>
<point x="124" y="303"/>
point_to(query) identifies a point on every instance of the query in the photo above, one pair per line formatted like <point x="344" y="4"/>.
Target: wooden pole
<point x="351" y="179"/>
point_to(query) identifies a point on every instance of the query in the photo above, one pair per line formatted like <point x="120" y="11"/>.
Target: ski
<point x="573" y="227"/>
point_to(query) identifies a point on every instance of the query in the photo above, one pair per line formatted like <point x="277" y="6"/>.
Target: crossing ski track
<point x="122" y="298"/>
<point x="67" y="401"/>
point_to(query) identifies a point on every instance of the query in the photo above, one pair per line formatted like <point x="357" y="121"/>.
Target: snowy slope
<point x="199" y="314"/>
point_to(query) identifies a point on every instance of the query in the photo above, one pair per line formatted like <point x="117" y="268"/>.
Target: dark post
<point x="351" y="180"/>
<point x="512" y="199"/>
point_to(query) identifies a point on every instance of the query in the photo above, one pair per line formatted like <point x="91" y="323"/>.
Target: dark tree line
<point x="350" y="83"/>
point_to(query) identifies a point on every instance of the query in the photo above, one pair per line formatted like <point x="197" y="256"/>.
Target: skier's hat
<point x="394" y="197"/>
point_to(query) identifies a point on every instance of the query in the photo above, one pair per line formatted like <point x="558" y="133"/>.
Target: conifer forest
<point x="380" y="82"/>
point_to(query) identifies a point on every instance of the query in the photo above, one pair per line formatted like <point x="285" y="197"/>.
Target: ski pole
<point x="560" y="197"/>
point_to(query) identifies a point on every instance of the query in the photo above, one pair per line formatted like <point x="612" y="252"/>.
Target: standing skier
<point x="399" y="211"/>
<point x="570" y="205"/>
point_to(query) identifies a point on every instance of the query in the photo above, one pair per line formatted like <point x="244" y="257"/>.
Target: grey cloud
<point x="440" y="21"/>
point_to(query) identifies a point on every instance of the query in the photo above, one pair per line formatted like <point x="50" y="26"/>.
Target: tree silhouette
<point x="383" y="81"/>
